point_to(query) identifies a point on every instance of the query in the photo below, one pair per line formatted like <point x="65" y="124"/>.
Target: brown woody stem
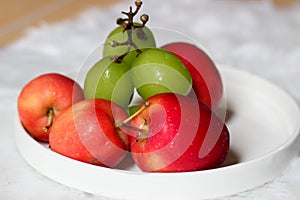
<point x="129" y="26"/>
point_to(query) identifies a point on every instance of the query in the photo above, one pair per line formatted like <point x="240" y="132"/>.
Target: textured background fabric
<point x="251" y="35"/>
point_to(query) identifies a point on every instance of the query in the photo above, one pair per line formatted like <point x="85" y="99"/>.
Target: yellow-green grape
<point x="159" y="71"/>
<point x="109" y="80"/>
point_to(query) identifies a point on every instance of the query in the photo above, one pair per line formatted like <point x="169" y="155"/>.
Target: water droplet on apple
<point x="172" y="145"/>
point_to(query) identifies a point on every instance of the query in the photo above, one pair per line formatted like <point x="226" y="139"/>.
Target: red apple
<point x="178" y="134"/>
<point x="207" y="83"/>
<point x="42" y="99"/>
<point x="87" y="132"/>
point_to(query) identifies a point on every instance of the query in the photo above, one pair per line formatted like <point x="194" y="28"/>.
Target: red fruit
<point x="178" y="134"/>
<point x="86" y="132"/>
<point x="207" y="83"/>
<point x="42" y="99"/>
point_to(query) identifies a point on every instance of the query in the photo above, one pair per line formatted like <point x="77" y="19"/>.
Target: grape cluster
<point x="131" y="60"/>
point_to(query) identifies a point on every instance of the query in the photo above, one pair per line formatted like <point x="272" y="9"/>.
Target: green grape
<point x="158" y="71"/>
<point x="141" y="37"/>
<point x="109" y="80"/>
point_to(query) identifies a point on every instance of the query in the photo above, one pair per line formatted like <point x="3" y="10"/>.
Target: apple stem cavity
<point x="50" y="115"/>
<point x="129" y="26"/>
<point x="141" y="132"/>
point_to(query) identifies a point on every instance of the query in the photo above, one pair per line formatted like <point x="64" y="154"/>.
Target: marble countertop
<point x="253" y="36"/>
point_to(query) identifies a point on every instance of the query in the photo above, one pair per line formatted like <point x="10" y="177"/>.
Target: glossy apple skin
<point x="86" y="132"/>
<point x="47" y="91"/>
<point x="182" y="136"/>
<point x="207" y="82"/>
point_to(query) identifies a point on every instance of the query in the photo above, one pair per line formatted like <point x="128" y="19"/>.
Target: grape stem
<point x="129" y="26"/>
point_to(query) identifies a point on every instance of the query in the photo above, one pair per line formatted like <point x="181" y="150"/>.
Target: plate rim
<point x="284" y="146"/>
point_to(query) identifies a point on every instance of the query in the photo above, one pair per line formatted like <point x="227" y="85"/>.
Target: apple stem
<point x="141" y="109"/>
<point x="50" y="115"/>
<point x="130" y="127"/>
<point x="128" y="26"/>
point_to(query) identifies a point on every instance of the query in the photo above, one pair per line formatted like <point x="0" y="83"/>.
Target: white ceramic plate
<point x="264" y="123"/>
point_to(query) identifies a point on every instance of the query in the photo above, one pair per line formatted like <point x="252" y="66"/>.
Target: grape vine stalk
<point x="129" y="26"/>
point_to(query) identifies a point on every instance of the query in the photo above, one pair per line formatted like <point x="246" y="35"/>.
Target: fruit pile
<point x="173" y="129"/>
